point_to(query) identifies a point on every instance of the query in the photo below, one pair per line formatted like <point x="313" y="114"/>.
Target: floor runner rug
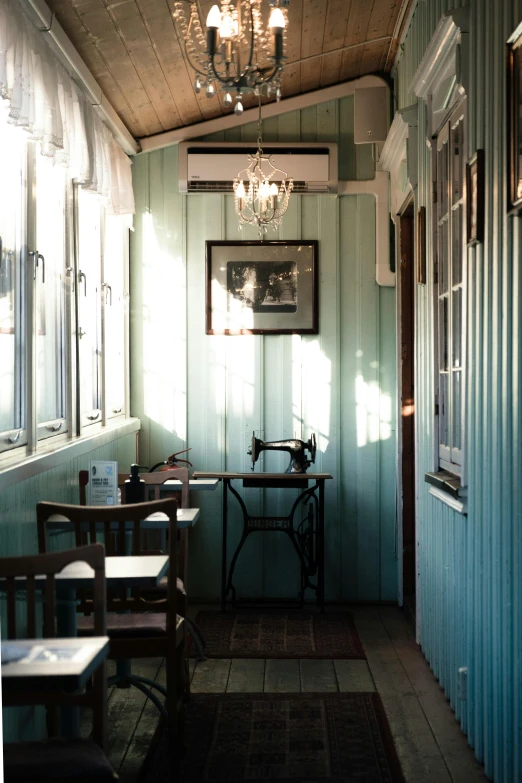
<point x="281" y="738"/>
<point x="279" y="635"/>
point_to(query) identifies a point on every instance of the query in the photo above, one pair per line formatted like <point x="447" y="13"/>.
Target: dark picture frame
<point x="475" y="198"/>
<point x="421" y="246"/>
<point x="514" y="124"/>
<point x="262" y="287"/>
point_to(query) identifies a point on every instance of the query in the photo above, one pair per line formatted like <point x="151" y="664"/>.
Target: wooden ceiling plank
<point x="383" y="18"/>
<point x="134" y="35"/>
<point x="313" y="26"/>
<point x="331" y="68"/>
<point x="291" y="81"/>
<point x="78" y="31"/>
<point x="371" y="57"/>
<point x="111" y="48"/>
<point x="356" y="32"/>
<point x="158" y="20"/>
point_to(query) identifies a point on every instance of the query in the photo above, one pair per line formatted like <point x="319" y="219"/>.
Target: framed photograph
<point x="514" y="125"/>
<point x="421" y="246"/>
<point x="475" y="198"/>
<point x="265" y="287"/>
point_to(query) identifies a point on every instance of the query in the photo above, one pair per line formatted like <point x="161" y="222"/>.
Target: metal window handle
<point x="117" y="410"/>
<point x="108" y="289"/>
<point x="38" y="257"/>
<point x="94" y="416"/>
<point x="83" y="276"/>
<point x="14" y="438"/>
<point x="54" y="427"/>
<point x="81" y="332"/>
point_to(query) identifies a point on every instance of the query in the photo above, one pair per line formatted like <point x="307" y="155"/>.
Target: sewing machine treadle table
<point x="308" y="544"/>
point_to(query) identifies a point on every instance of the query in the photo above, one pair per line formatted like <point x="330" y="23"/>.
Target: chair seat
<point x="56" y="759"/>
<point x="132" y="625"/>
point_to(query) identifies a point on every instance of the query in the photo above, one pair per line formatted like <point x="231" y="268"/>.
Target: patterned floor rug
<point x="281" y="738"/>
<point x="279" y="635"/>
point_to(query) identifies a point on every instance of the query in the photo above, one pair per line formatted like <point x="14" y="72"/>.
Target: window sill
<point x="447" y="488"/>
<point x="15" y="468"/>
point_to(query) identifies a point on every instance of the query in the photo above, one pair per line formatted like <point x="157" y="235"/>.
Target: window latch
<point x="14" y="438"/>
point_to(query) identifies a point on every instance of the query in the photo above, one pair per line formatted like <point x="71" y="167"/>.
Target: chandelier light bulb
<point x="273" y="189"/>
<point x="228" y="28"/>
<point x="214" y="18"/>
<point x="276" y="20"/>
<point x="240" y="190"/>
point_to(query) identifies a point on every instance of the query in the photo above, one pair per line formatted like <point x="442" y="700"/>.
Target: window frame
<point x="29" y="442"/>
<point x="444" y="453"/>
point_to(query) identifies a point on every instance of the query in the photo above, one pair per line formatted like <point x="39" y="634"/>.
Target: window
<point x="449" y="288"/>
<point x="13" y="431"/>
<point x="63" y="323"/>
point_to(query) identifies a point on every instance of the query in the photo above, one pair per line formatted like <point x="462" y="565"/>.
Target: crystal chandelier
<point x="238" y="54"/>
<point x="264" y="200"/>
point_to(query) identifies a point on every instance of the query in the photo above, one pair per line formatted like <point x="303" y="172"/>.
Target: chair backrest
<point x="19" y="574"/>
<point x="120" y="527"/>
<point x="153" y="483"/>
<point x="12" y="569"/>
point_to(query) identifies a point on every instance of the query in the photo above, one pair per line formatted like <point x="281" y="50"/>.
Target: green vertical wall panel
<point x="470" y="585"/>
<point x="282" y="386"/>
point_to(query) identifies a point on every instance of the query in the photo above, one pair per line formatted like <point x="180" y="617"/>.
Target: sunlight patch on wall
<point x="164" y="340"/>
<point x="317" y="393"/>
<point x="373" y="412"/>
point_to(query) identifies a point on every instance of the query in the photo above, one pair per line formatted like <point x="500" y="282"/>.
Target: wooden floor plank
<point x="144" y="732"/>
<point x="125" y="708"/>
<point x="211" y="676"/>
<point x="282" y="676"/>
<point x="419" y="754"/>
<point x="246" y="675"/>
<point x="353" y="676"/>
<point x="461" y="762"/>
<point x="317" y="676"/>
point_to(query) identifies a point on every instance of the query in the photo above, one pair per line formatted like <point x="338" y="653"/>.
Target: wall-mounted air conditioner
<point x="211" y="167"/>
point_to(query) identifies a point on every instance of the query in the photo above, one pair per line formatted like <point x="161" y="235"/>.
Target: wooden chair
<point x="140" y="628"/>
<point x="153" y="484"/>
<point x="56" y="758"/>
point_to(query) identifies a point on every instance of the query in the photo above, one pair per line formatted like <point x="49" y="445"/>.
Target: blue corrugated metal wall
<point x="470" y="580"/>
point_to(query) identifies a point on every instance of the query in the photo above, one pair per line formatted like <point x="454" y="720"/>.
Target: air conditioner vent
<point x="210" y="167"/>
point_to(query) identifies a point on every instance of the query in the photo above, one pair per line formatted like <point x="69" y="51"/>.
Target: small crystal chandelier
<point x="237" y="54"/>
<point x="265" y="199"/>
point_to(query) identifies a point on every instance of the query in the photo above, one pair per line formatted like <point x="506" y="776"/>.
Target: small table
<point x="308" y="543"/>
<point x="52" y="664"/>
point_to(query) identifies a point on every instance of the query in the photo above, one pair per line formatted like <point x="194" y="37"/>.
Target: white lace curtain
<point x="43" y="99"/>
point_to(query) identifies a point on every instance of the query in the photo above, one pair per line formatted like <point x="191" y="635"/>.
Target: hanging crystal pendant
<point x="238" y="108"/>
<point x="209" y="92"/>
<point x="197" y="85"/>
<point x="227" y="100"/>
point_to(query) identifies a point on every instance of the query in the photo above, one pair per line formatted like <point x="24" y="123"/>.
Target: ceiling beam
<point x="274" y="109"/>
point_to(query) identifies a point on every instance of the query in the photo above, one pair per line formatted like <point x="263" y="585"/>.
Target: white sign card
<point x="103" y="483"/>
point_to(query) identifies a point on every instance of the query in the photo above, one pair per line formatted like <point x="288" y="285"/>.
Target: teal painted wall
<point x="211" y="392"/>
<point x="470" y="583"/>
<point x="18" y="536"/>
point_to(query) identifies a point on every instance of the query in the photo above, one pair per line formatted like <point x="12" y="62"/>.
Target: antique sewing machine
<point x="296" y="448"/>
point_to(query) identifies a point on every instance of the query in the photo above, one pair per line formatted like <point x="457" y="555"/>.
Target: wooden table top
<point x="47" y="664"/>
<point x="186" y="517"/>
<point x="204" y="484"/>
<point x="120" y="571"/>
<point x="261" y="476"/>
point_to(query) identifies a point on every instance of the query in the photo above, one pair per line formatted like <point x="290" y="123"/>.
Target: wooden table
<point x="308" y="544"/>
<point x="53" y="664"/>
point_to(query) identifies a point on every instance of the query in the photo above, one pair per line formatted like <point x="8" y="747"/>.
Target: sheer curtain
<point x="42" y="98"/>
